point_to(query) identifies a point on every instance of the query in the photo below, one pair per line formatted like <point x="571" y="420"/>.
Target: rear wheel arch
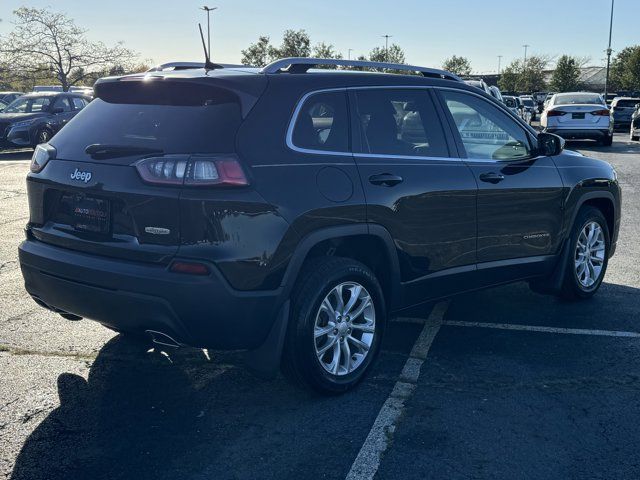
<point x="370" y="244"/>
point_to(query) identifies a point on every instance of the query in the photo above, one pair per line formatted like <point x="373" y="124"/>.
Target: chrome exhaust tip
<point x="162" y="339"/>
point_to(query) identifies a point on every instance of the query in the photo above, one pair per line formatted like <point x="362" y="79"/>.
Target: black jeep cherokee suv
<point x="290" y="211"/>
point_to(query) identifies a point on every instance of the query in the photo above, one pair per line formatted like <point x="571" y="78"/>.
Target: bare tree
<point x="47" y="44"/>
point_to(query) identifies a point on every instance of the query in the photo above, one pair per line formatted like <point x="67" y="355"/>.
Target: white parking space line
<point x="367" y="462"/>
<point x="535" y="328"/>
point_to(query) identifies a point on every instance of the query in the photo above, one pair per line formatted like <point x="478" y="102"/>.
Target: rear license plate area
<point x="577" y="116"/>
<point x="90" y="214"/>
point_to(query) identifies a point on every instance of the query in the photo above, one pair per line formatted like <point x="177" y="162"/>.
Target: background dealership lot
<point x="77" y="401"/>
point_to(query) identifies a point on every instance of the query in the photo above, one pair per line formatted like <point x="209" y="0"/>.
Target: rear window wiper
<point x="100" y="151"/>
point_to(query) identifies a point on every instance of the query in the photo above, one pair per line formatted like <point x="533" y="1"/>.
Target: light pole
<point x="606" y="81"/>
<point x="386" y="47"/>
<point x="349" y="53"/>
<point x="499" y="63"/>
<point x="209" y="10"/>
<point x="525" y="55"/>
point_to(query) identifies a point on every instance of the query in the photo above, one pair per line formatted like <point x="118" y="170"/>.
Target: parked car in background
<point x="634" y="131"/>
<point x="578" y="115"/>
<point x="3" y="105"/>
<point x="481" y="84"/>
<point x="546" y="100"/>
<point x="610" y="97"/>
<point x="495" y="93"/>
<point x="539" y="98"/>
<point x="35" y="117"/>
<point x="47" y="88"/>
<point x="622" y="109"/>
<point x="512" y="104"/>
<point x="529" y="105"/>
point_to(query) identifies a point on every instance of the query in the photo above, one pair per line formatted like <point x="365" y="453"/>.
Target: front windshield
<point x="578" y="98"/>
<point x="28" y="105"/>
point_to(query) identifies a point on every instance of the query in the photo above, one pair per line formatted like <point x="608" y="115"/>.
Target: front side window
<point x="400" y="122"/>
<point x="323" y="123"/>
<point x="486" y="132"/>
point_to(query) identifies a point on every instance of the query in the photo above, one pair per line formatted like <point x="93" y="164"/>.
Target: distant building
<point x="591" y="78"/>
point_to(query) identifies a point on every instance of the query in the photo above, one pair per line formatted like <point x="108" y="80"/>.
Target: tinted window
<point x="63" y="103"/>
<point x="172" y="129"/>
<point x="577" y="98"/>
<point x="79" y="103"/>
<point x="323" y="123"/>
<point x="628" y="103"/>
<point x="28" y="105"/>
<point x="486" y="132"/>
<point x="510" y="102"/>
<point x="400" y="122"/>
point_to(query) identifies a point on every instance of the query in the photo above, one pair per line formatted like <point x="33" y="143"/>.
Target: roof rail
<point x="303" y="64"/>
<point x="188" y="66"/>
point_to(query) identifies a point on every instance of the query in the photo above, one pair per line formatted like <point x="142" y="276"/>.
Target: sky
<point x="429" y="31"/>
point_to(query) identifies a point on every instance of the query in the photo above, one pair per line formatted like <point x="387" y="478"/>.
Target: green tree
<point x="295" y="43"/>
<point x="508" y="81"/>
<point x="45" y="44"/>
<point x="566" y="76"/>
<point x="461" y="66"/>
<point x="394" y="54"/>
<point x="532" y="77"/>
<point x="625" y="69"/>
<point x="325" y="50"/>
<point x="258" y="54"/>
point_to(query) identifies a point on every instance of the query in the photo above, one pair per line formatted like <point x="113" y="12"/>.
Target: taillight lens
<point x="555" y="113"/>
<point x="601" y="113"/>
<point x="192" y="170"/>
<point x="41" y="156"/>
<point x="190" y="268"/>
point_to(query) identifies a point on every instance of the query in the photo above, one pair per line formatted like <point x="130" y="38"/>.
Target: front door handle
<point x="385" y="179"/>
<point x="492" y="177"/>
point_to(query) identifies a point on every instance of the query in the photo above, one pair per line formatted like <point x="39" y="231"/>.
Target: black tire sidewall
<point x="305" y="308"/>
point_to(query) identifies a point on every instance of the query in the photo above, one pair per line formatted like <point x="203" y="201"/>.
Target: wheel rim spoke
<point x="344" y="328"/>
<point x="590" y="254"/>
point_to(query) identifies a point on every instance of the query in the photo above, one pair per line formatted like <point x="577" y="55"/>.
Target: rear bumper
<point x="201" y="311"/>
<point x="575" y="133"/>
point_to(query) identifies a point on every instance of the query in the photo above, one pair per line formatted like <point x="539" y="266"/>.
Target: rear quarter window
<point x="322" y="123"/>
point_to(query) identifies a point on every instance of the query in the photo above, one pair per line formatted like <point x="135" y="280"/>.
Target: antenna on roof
<point x="208" y="65"/>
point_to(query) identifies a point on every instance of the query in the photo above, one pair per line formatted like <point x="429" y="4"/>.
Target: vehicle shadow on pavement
<point x="13" y="155"/>
<point x="148" y="415"/>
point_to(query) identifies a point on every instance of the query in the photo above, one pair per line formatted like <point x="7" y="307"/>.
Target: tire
<point x="575" y="285"/>
<point x="634" y="138"/>
<point x="303" y="361"/>
<point x="43" y="136"/>
<point x="607" y="141"/>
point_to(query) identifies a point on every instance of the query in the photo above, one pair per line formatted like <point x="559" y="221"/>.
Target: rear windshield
<point x="527" y="101"/>
<point x="170" y="128"/>
<point x="510" y="102"/>
<point x="577" y="98"/>
<point x="628" y="103"/>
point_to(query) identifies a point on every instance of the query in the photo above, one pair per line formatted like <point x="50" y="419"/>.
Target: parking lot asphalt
<point x="502" y="383"/>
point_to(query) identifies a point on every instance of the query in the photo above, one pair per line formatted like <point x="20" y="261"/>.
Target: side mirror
<point x="549" y="144"/>
<point x="57" y="110"/>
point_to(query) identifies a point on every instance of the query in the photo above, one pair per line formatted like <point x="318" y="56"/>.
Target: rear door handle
<point x="491" y="177"/>
<point x="385" y="179"/>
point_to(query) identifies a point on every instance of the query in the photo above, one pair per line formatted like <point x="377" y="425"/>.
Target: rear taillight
<point x="601" y="113"/>
<point x="555" y="113"/>
<point x="196" y="170"/>
<point x="41" y="156"/>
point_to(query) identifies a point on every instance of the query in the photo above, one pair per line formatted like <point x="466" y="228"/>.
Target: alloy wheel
<point x="590" y="254"/>
<point x="344" y="328"/>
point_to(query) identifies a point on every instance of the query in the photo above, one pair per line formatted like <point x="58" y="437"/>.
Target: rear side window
<point x="400" y="122"/>
<point x="207" y="128"/>
<point x="79" y="103"/>
<point x="322" y="123"/>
